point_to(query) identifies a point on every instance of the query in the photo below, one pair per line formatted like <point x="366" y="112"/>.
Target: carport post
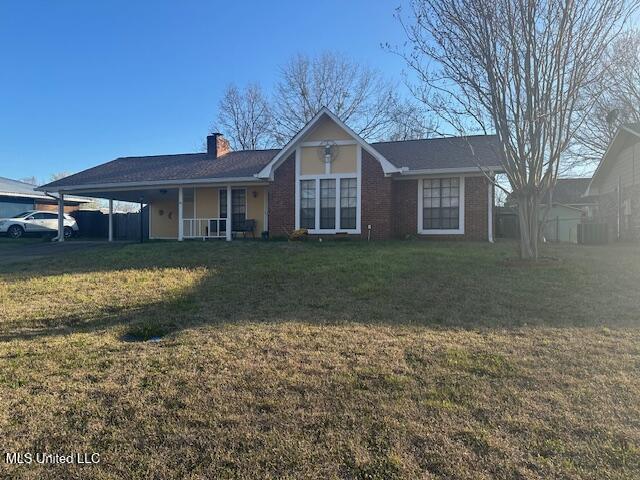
<point x="111" y="219"/>
<point x="60" y="217"/>
<point x="180" y="220"/>
<point x="228" y="213"/>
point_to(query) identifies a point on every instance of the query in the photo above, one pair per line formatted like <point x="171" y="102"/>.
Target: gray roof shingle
<point x="435" y="153"/>
<point x="439" y="153"/>
<point x="184" y="166"/>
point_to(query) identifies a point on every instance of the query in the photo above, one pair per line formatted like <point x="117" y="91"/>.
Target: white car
<point x="36" y="222"/>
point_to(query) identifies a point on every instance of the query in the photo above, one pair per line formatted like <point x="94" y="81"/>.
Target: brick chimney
<point x="217" y="145"/>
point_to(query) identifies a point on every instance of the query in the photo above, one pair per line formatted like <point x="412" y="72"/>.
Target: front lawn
<point x="323" y="360"/>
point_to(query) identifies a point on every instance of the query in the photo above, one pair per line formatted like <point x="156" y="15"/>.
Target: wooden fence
<point x="126" y="226"/>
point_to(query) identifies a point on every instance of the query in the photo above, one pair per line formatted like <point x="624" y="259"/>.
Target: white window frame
<point x="461" y="208"/>
<point x="337" y="177"/>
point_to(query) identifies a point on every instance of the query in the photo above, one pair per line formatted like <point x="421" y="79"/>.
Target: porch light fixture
<point x="254" y="193"/>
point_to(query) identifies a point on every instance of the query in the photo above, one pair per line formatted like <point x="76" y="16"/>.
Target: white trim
<point x="282" y="155"/>
<point x="331" y="176"/>
<point x="148" y="185"/>
<point x="490" y="201"/>
<point x="458" y="170"/>
<point x="320" y="143"/>
<point x="229" y="214"/>
<point x="111" y="219"/>
<point x="265" y="201"/>
<point x="605" y="156"/>
<point x="461" y="209"/>
<point x="297" y="189"/>
<point x="61" y="218"/>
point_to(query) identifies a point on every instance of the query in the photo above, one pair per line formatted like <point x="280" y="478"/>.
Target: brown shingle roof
<point x="186" y="166"/>
<point x="440" y="153"/>
<point x="436" y="153"/>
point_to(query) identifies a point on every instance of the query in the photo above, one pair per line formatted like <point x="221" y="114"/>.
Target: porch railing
<point x="204" y="227"/>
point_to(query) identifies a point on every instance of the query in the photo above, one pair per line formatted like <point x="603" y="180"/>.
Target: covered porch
<point x="179" y="212"/>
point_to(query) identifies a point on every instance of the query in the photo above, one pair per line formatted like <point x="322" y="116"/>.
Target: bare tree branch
<point x="517" y="68"/>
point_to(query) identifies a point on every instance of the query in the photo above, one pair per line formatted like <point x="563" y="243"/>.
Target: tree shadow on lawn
<point x="394" y="283"/>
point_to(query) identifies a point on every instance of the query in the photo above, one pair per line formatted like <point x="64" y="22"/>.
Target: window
<point x="327" y="204"/>
<point x="325" y="201"/>
<point x="222" y="211"/>
<point x="348" y="203"/>
<point x="441" y="204"/>
<point x="308" y="204"/>
<point x="238" y="208"/>
<point x="45" y="216"/>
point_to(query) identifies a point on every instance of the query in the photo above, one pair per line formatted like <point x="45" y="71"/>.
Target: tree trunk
<point x="529" y="227"/>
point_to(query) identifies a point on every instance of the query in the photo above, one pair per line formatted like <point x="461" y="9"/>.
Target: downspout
<point x="490" y="202"/>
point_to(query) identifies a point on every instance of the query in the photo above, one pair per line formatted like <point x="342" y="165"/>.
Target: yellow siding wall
<point x="346" y="161"/>
<point x="256" y="206"/>
<point x="327" y="129"/>
<point x="311" y="162"/>
<point x="207" y="203"/>
<point x="165" y="225"/>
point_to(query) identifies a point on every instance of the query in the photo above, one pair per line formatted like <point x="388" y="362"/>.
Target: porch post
<point x="60" y="217"/>
<point x="228" y="213"/>
<point x="180" y="216"/>
<point x="111" y="219"/>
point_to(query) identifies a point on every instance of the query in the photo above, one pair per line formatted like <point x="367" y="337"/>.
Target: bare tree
<point x="244" y="116"/>
<point x="517" y="68"/>
<point x="409" y="121"/>
<point x="359" y="95"/>
<point x="612" y="101"/>
<point x="30" y="180"/>
<point x="58" y="175"/>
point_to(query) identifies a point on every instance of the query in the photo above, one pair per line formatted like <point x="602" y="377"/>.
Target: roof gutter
<point x="438" y="171"/>
<point x="149" y="184"/>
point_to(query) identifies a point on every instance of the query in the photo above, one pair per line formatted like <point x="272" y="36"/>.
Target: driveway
<point x="23" y="251"/>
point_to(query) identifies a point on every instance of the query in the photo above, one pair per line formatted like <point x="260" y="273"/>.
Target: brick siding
<point x="282" y="219"/>
<point x="405" y="207"/>
<point x="377" y="199"/>
<point x="389" y="206"/>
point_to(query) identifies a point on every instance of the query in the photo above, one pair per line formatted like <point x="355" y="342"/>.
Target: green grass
<point x="331" y="360"/>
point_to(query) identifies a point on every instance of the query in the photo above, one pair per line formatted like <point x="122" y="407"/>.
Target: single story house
<point x="17" y="197"/>
<point x="326" y="179"/>
<point x="616" y="184"/>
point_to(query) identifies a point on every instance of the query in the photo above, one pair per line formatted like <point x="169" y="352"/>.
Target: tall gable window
<point x="328" y="201"/>
<point x="441" y="205"/>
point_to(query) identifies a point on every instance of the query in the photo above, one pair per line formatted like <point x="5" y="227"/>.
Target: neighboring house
<point x="616" y="184"/>
<point x="17" y="197"/>
<point x="326" y="179"/>
<point x="561" y="211"/>
<point x="572" y="193"/>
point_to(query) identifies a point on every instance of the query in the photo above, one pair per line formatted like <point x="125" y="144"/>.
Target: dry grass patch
<point x="341" y="361"/>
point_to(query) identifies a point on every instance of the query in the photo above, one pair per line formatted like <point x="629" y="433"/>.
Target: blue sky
<point x="83" y="82"/>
